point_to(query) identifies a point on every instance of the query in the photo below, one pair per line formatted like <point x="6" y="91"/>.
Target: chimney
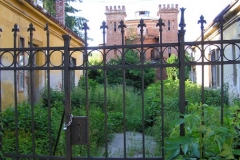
<point x="60" y="10"/>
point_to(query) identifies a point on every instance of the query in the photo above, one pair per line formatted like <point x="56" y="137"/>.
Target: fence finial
<point x="160" y="24"/>
<point x="141" y="25"/>
<point x="202" y="21"/>
<point x="85" y="28"/>
<point x="182" y="23"/>
<point x="104" y="26"/>
<point x="221" y="20"/>
<point x="31" y="28"/>
<point x="46" y="27"/>
<point x="122" y="26"/>
<point x="15" y="28"/>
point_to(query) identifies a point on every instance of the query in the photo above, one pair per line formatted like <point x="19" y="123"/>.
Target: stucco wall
<point x="22" y="13"/>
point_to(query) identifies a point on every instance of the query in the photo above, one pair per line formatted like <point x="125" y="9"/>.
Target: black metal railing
<point x="9" y="71"/>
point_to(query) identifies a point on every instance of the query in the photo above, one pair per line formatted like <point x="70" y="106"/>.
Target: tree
<point x="74" y="23"/>
<point x="133" y="75"/>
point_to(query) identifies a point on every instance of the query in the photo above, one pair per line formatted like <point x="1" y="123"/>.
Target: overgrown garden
<point x="206" y="137"/>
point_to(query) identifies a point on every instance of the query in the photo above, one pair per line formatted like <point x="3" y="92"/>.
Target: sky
<point x="94" y="10"/>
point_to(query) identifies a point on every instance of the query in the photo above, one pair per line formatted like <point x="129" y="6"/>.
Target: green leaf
<point x="205" y="105"/>
<point x="230" y="157"/>
<point x="225" y="153"/>
<point x="209" y="132"/>
<point x="184" y="148"/>
<point x="195" y="152"/>
<point x="180" y="121"/>
<point x="236" y="152"/>
<point x="226" y="147"/>
<point x="172" y="154"/>
<point x="221" y="130"/>
<point x="202" y="128"/>
<point x="178" y="140"/>
<point x="171" y="147"/>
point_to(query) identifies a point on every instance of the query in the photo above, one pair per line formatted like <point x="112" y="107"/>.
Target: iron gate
<point x="76" y="128"/>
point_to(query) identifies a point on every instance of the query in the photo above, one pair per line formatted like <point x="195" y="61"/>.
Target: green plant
<point x="205" y="137"/>
<point x="52" y="95"/>
<point x="173" y="72"/>
<point x="115" y="122"/>
<point x="133" y="75"/>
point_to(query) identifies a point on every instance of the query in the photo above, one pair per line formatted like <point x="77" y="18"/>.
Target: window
<point x="234" y="66"/>
<point x="21" y="64"/>
<point x="169" y="25"/>
<point x="215" y="80"/>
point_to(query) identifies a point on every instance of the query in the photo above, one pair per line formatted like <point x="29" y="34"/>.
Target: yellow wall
<point x="22" y="13"/>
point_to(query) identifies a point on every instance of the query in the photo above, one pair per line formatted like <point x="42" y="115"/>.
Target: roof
<point x="222" y="13"/>
<point x="52" y="18"/>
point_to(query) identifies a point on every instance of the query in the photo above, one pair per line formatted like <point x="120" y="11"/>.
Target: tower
<point x="169" y="15"/>
<point x="113" y="16"/>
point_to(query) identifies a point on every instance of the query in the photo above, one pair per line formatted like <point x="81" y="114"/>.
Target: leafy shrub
<point x="54" y="95"/>
<point x="24" y="116"/>
<point x="133" y="75"/>
<point x="41" y="129"/>
<point x="173" y="72"/>
<point x="205" y="137"/>
<point x="115" y="122"/>
<point x="212" y="97"/>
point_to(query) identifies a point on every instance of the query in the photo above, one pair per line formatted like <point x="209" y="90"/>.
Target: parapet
<point x="168" y="8"/>
<point x="115" y="9"/>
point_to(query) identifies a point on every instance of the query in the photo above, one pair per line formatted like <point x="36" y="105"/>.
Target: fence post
<point x="67" y="91"/>
<point x="182" y="64"/>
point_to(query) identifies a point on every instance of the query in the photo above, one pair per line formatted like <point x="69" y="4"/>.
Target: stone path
<point x="133" y="145"/>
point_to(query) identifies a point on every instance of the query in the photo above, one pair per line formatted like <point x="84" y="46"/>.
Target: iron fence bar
<point x="222" y="67"/>
<point x="202" y="21"/>
<point x="104" y="27"/>
<point x="85" y="57"/>
<point x="195" y="43"/>
<point x="67" y="91"/>
<point x="13" y="156"/>
<point x="142" y="58"/>
<point x="15" y="30"/>
<point x="1" y="129"/>
<point x="74" y="158"/>
<point x="181" y="34"/>
<point x="160" y="24"/>
<point x="110" y="66"/>
<point x="33" y="49"/>
<point x="122" y="26"/>
<point x="48" y="91"/>
<point x="59" y="132"/>
<point x="98" y="158"/>
<point x="32" y="98"/>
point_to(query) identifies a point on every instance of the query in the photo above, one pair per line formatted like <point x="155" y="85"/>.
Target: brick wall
<point x="169" y="15"/>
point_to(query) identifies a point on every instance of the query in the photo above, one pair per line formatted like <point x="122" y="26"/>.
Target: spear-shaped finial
<point x="182" y="23"/>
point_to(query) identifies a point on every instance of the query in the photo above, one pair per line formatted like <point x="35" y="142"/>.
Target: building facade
<point x="22" y="13"/>
<point x="169" y="15"/>
<point x="212" y="77"/>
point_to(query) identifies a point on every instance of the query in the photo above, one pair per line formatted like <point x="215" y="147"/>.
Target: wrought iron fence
<point x="76" y="128"/>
